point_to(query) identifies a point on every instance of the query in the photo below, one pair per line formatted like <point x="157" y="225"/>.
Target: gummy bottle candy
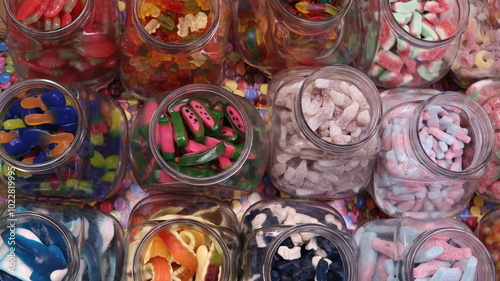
<point x="175" y="237"/>
<point x="273" y="35"/>
<point x="169" y="44"/>
<point x="62" y="142"/>
<point x="64" y="41"/>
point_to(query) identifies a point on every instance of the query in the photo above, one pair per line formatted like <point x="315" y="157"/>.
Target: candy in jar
<point x="294" y="239"/>
<point x="488" y="231"/>
<point x="64" y="41"/>
<point x="178" y="237"/>
<point x="409" y="249"/>
<point x="61" y="142"/>
<point x="487" y="93"/>
<point x="49" y="243"/>
<point x="435" y="147"/>
<point x="410" y="43"/>
<point x="166" y="45"/>
<point x="199" y="139"/>
<point x="276" y="35"/>
<point x="478" y="54"/>
<point x="323" y="131"/>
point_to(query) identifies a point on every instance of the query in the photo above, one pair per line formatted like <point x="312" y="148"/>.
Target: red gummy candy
<point x="50" y="60"/>
<point x="26" y="8"/>
<point x="54" y="7"/>
<point x="97" y="49"/>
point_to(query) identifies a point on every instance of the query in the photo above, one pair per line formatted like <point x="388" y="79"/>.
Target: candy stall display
<point x="410" y="249"/>
<point x="172" y="44"/>
<point x="173" y="237"/>
<point x="49" y="243"/>
<point x="294" y="239"/>
<point x="410" y="43"/>
<point x="487" y="93"/>
<point x="64" y="41"/>
<point x="61" y="142"/>
<point x="323" y="131"/>
<point x="435" y="147"/>
<point x="478" y="54"/>
<point x="199" y="138"/>
<point x="276" y="35"/>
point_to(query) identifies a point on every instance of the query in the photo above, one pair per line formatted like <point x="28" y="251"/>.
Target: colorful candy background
<point x="247" y="82"/>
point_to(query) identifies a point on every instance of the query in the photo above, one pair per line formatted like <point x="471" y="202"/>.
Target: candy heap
<point x="339" y="113"/>
<point x="397" y="62"/>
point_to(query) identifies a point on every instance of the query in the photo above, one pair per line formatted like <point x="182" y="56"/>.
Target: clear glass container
<point x="43" y="242"/>
<point x="323" y="131"/>
<point x="410" y="249"/>
<point x="488" y="231"/>
<point x="61" y="142"/>
<point x="435" y="147"/>
<point x="164" y="48"/>
<point x="487" y="93"/>
<point x="274" y="35"/>
<point x="479" y="49"/>
<point x="70" y="41"/>
<point x="188" y="237"/>
<point x="409" y="44"/>
<point x="230" y="157"/>
<point x="295" y="239"/>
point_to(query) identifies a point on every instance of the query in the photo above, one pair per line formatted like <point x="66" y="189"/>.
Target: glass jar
<point x="212" y="154"/>
<point x="487" y="93"/>
<point x="70" y="41"/>
<point x="164" y="48"/>
<point x="274" y="35"/>
<point x="407" y="45"/>
<point x="295" y="239"/>
<point x="488" y="231"/>
<point x="410" y="249"/>
<point x="61" y="142"/>
<point x="478" y="52"/>
<point x="323" y="136"/>
<point x="181" y="236"/>
<point x="435" y="147"/>
<point x="42" y="242"/>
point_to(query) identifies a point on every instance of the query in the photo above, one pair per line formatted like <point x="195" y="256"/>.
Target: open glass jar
<point x="165" y="47"/>
<point x="274" y="35"/>
<point x="71" y="41"/>
<point x="294" y="239"/>
<point x="323" y="131"/>
<point x="408" y="249"/>
<point x="42" y="242"/>
<point x="179" y="236"/>
<point x="408" y="44"/>
<point x="61" y="142"/>
<point x="199" y="139"/>
<point x="435" y="147"/>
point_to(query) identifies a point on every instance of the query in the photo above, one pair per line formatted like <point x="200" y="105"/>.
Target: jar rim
<point x="56" y="34"/>
<point x="463" y="15"/>
<point x="81" y="131"/>
<point x="317" y="25"/>
<point x="345" y="246"/>
<point x="483" y="129"/>
<point x="355" y="77"/>
<point x="176" y="48"/>
<point x="73" y="252"/>
<point x="196" y="89"/>
<point x="182" y="224"/>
